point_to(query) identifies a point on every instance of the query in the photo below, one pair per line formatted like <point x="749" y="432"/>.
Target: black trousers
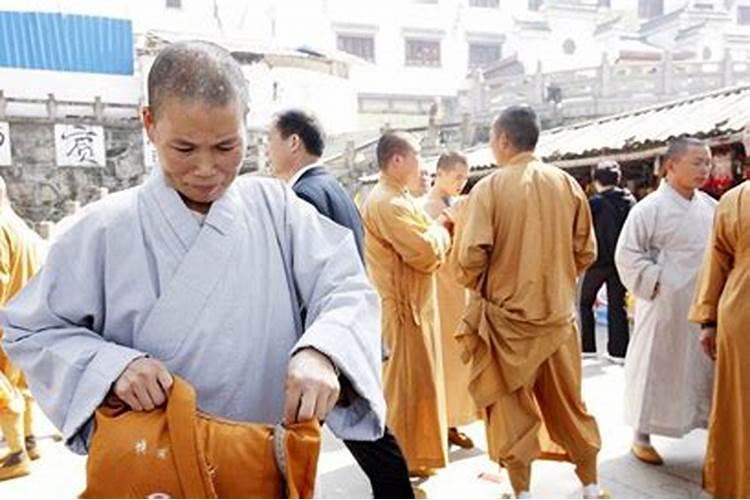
<point x="617" y="316"/>
<point x="384" y="465"/>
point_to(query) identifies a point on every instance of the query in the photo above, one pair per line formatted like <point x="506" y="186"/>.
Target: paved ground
<point x="60" y="474"/>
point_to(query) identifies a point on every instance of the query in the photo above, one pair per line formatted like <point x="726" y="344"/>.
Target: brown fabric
<point x="451" y="302"/>
<point x="522" y="240"/>
<point x="181" y="452"/>
<point x="546" y="419"/>
<point x="721" y="297"/>
<point x="403" y="249"/>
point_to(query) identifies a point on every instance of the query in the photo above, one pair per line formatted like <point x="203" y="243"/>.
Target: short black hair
<point x="196" y="70"/>
<point x="520" y="125"/>
<point x="679" y="146"/>
<point x="305" y="125"/>
<point x="607" y="173"/>
<point x="393" y="143"/>
<point x="450" y="159"/>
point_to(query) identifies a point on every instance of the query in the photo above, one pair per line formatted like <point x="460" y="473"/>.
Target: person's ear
<point x="149" y="124"/>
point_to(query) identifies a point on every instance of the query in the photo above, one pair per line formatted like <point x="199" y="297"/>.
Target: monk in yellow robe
<point x="403" y="249"/>
<point x="523" y="239"/>
<point x="450" y="178"/>
<point x="720" y="307"/>
<point x="18" y="263"/>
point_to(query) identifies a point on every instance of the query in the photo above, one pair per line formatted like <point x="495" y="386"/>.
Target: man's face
<point x="420" y="184"/>
<point x="280" y="151"/>
<point x="201" y="147"/>
<point x="453" y="180"/>
<point x="690" y="170"/>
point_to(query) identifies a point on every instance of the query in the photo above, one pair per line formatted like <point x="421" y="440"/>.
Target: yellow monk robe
<point x="521" y="242"/>
<point x="19" y="261"/>
<point x="451" y="302"/>
<point x="179" y="452"/>
<point x="403" y="249"/>
<point x="722" y="297"/>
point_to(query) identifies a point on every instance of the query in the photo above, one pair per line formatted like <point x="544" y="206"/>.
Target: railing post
<point x="667" y="68"/>
<point x="98" y="109"/>
<point x="727" y="69"/>
<point x="605" y="77"/>
<point x="539" y="88"/>
<point x="3" y="105"/>
<point x="51" y="107"/>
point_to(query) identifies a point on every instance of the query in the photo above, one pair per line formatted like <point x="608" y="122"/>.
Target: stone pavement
<point x="60" y="474"/>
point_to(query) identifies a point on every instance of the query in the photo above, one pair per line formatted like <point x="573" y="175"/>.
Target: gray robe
<point x="668" y="379"/>
<point x="219" y="303"/>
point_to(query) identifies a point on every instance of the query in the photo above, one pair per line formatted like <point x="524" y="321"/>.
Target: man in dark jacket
<point x="296" y="143"/>
<point x="609" y="207"/>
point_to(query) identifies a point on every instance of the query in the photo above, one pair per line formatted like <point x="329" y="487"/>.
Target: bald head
<point x="394" y="143"/>
<point x="196" y="71"/>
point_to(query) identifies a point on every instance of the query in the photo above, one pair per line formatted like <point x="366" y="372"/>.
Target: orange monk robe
<point x="721" y="297"/>
<point x="19" y="261"/>
<point x="521" y="242"/>
<point x="451" y="302"/>
<point x="179" y="452"/>
<point x="403" y="249"/>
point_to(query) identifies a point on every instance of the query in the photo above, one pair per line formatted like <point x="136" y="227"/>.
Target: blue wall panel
<point x="63" y="42"/>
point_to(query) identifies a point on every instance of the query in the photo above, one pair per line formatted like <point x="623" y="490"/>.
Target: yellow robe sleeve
<point x="718" y="261"/>
<point x="584" y="238"/>
<point x="473" y="238"/>
<point x="421" y="242"/>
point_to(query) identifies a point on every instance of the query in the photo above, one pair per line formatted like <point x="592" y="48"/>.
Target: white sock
<point x="591" y="491"/>
<point x="524" y="494"/>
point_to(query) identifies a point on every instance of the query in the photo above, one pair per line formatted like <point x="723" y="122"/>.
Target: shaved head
<point x="196" y="71"/>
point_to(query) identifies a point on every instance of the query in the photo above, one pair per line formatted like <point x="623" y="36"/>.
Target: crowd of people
<point x="396" y="323"/>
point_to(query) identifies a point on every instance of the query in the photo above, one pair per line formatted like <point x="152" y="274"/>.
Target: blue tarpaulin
<point x="64" y="42"/>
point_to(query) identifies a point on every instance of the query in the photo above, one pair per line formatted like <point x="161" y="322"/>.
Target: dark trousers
<point x="617" y="315"/>
<point x="384" y="465"/>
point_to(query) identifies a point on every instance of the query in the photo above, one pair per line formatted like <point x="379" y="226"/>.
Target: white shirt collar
<point x="293" y="180"/>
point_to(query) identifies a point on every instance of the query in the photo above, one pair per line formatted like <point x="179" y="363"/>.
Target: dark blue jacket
<point x="323" y="191"/>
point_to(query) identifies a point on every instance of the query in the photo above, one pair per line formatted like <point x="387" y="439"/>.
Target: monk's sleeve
<point x="635" y="262"/>
<point x="473" y="238"/>
<point x="416" y="237"/>
<point x="342" y="316"/>
<point x="51" y="334"/>
<point x="718" y="261"/>
<point x="584" y="238"/>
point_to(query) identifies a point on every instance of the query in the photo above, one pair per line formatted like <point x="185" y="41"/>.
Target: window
<point x="483" y="54"/>
<point x="491" y="4"/>
<point x="423" y="53"/>
<point x="174" y="4"/>
<point x="535" y="4"/>
<point x="605" y="3"/>
<point x="358" y="45"/>
<point x="650" y="8"/>
<point x="743" y="15"/>
<point x="425" y="1"/>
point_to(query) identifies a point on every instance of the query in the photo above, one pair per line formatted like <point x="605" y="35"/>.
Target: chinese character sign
<point x="4" y="144"/>
<point x="79" y="146"/>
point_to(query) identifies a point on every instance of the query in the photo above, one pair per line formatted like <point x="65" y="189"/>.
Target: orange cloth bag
<point x="179" y="452"/>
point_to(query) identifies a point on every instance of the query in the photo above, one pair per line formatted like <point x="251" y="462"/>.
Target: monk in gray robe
<point x="201" y="275"/>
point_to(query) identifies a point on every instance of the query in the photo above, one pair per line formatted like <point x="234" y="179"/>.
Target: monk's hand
<point x="144" y="384"/>
<point x="708" y="341"/>
<point x="312" y="387"/>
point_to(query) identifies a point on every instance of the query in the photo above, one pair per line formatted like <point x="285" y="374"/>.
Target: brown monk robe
<point x="403" y="249"/>
<point x="451" y="302"/>
<point x="721" y="303"/>
<point x="18" y="263"/>
<point x="523" y="238"/>
<point x="179" y="452"/>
